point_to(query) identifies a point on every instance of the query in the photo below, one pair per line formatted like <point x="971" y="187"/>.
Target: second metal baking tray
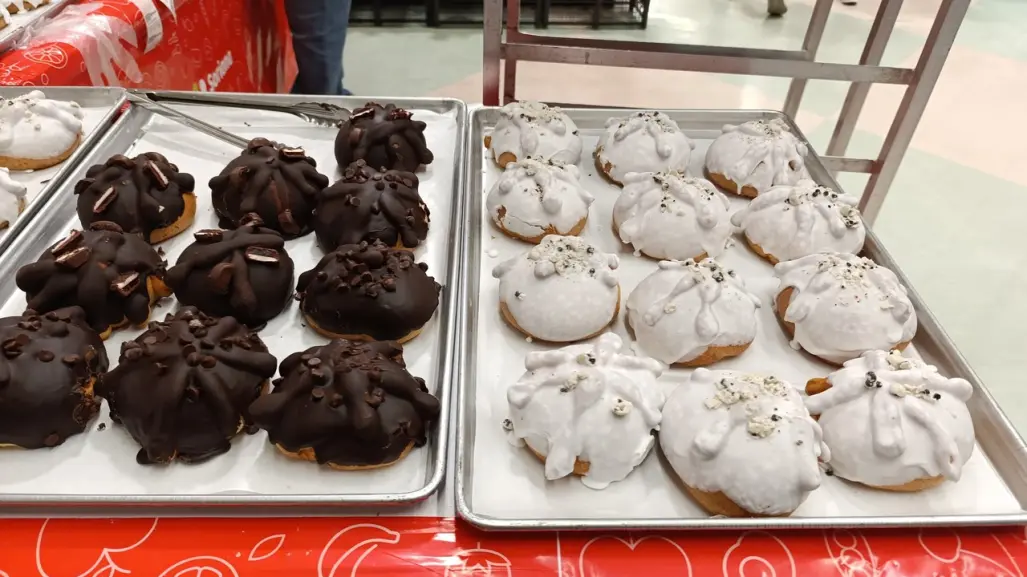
<point x="499" y="486"/>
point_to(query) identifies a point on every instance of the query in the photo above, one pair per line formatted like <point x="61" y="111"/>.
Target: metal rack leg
<point x="492" y="54"/>
<point x="810" y="44"/>
<point x="513" y="21"/>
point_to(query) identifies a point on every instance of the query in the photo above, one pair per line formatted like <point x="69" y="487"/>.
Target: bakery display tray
<point x="98" y="467"/>
<point x="23" y="23"/>
<point x="499" y="486"/>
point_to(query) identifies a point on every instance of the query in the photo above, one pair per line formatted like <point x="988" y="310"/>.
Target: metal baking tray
<point x="97" y="468"/>
<point x="499" y="486"/>
<point x="23" y="23"/>
<point x="100" y="106"/>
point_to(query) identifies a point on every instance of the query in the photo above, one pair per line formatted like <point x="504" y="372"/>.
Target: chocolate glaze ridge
<point x="368" y="205"/>
<point x="384" y="136"/>
<point x="182" y="388"/>
<point x="277" y="182"/>
<point x="48" y="365"/>
<point x="354" y="404"/>
<point x="372" y="290"/>
<point x="244" y="273"/>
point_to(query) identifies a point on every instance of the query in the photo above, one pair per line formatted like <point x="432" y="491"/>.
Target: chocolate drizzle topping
<point x="182" y="388"/>
<point x="48" y="365"/>
<point x="141" y="194"/>
<point x="278" y="183"/>
<point x="368" y="205"/>
<point x="354" y="404"/>
<point x="106" y="272"/>
<point x="244" y="273"/>
<point x="384" y="136"/>
<point x="369" y="291"/>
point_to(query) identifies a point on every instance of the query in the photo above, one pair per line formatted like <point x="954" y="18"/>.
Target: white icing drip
<point x="844" y="305"/>
<point x="561" y="290"/>
<point x="534" y="129"/>
<point x="789" y="222"/>
<point x="891" y="420"/>
<point x="667" y="215"/>
<point x="588" y="402"/>
<point x="643" y="142"/>
<point x="747" y="436"/>
<point x="12" y="198"/>
<point x="33" y="127"/>
<point x="534" y="196"/>
<point x="758" y="153"/>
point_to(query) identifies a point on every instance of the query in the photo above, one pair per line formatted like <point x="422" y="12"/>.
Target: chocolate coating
<point x="182" y="388"/>
<point x="102" y="270"/>
<point x="243" y="273"/>
<point x="367" y="205"/>
<point x="368" y="290"/>
<point x="140" y="194"/>
<point x="384" y="136"/>
<point x="48" y="365"/>
<point x="277" y="182"/>
<point x="354" y="404"/>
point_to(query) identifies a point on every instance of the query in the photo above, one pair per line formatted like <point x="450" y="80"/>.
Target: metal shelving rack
<point x="800" y="65"/>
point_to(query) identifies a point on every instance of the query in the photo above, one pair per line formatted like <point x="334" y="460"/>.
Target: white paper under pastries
<point x="34" y="127"/>
<point x="747" y="436"/>
<point x="667" y="215"/>
<point x="534" y="129"/>
<point x="643" y="142"/>
<point x="588" y="402"/>
<point x="789" y="222"/>
<point x="684" y="308"/>
<point x="534" y="197"/>
<point x="562" y="290"/>
<point x="12" y="198"/>
<point x="890" y="420"/>
<point x="758" y="153"/>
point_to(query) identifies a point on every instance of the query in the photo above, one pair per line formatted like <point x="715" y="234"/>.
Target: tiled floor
<point x="952" y="218"/>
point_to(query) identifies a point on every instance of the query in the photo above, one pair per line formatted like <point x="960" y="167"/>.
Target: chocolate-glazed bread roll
<point x="384" y="136"/>
<point x="182" y="388"/>
<point x="48" y="366"/>
<point x="347" y="404"/>
<point x="145" y="195"/>
<point x="277" y="182"/>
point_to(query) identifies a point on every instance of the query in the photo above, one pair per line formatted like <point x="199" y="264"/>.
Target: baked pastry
<point x="742" y="444"/>
<point x="667" y="215"/>
<point x="749" y="158"/>
<point x="642" y="142"/>
<point x="183" y="387"/>
<point x="349" y="405"/>
<point x="368" y="205"/>
<point x="19" y="6"/>
<point x="535" y="198"/>
<point x="36" y="132"/>
<point x="587" y="410"/>
<point x="692" y="314"/>
<point x="533" y="129"/>
<point x="838" y="306"/>
<point x="893" y="423"/>
<point x="278" y="183"/>
<point x="145" y="195"/>
<point x="12" y="199"/>
<point x="365" y="292"/>
<point x="48" y="366"/>
<point x="115" y="277"/>
<point x="560" y="291"/>
<point x="244" y="273"/>
<point x="386" y="137"/>
<point x="788" y="222"/>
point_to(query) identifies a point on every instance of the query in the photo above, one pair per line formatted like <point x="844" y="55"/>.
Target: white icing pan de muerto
<point x="36" y="132"/>
<point x="749" y="158"/>
<point x="533" y="129"/>
<point x="534" y="198"/>
<point x="587" y="410"/>
<point x="12" y="199"/>
<point x="642" y="142"/>
<point x="893" y="422"/>
<point x="743" y="444"/>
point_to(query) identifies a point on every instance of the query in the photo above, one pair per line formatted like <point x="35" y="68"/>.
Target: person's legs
<point x="318" y="37"/>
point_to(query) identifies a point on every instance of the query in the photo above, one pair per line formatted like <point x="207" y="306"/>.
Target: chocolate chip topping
<point x="42" y="401"/>
<point x="245" y="273"/>
<point x="367" y="205"/>
<point x="384" y="136"/>
<point x="275" y="182"/>
<point x="102" y="270"/>
<point x="353" y="403"/>
<point x="182" y="388"/>
<point x="371" y="290"/>
<point x="140" y="194"/>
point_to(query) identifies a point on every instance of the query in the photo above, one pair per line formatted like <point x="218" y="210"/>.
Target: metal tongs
<point x="319" y="113"/>
<point x="187" y="120"/>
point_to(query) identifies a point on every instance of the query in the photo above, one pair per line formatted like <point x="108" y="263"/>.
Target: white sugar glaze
<point x="758" y="153"/>
<point x="535" y="129"/>
<point x="643" y="142"/>
<point x="533" y="197"/>
<point x="35" y="127"/>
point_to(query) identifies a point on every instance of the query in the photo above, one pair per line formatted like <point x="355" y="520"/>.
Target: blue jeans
<point x="318" y="37"/>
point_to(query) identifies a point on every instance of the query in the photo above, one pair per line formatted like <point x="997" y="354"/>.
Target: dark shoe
<point x="776" y="7"/>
